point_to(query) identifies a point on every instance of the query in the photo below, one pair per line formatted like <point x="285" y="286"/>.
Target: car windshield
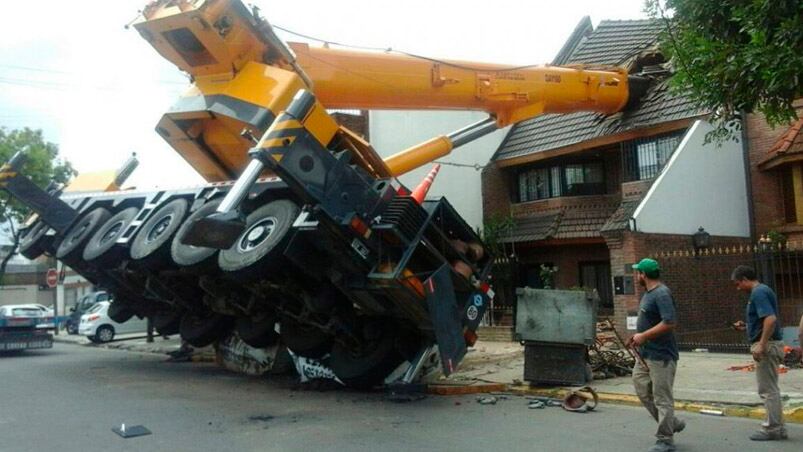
<point x="95" y="308"/>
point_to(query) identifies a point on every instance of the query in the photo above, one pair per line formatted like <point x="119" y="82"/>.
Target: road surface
<point x="68" y="399"/>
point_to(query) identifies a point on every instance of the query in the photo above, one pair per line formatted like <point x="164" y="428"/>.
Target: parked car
<point x="82" y="305"/>
<point x="98" y="327"/>
<point x="48" y="315"/>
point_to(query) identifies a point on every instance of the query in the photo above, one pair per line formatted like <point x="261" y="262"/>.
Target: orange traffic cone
<point x="420" y="192"/>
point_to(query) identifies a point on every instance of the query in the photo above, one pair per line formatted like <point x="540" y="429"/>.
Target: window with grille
<point x="644" y="158"/>
<point x="574" y="179"/>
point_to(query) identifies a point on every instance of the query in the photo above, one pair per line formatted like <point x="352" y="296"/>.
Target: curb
<point x="794" y="415"/>
<point x="465" y="389"/>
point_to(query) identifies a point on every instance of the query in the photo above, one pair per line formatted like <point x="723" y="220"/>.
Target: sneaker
<point x="763" y="435"/>
<point x="662" y="446"/>
<point x="680" y="424"/>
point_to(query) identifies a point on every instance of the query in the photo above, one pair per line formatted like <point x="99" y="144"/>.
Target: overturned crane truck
<point x="316" y="243"/>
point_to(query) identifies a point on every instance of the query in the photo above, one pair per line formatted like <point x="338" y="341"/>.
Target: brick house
<point x="591" y="194"/>
<point x="776" y="176"/>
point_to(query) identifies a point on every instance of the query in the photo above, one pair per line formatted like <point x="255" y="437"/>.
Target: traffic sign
<point x="52" y="277"/>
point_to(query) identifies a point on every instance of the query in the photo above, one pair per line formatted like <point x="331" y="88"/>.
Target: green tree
<point x="43" y="166"/>
<point x="734" y="56"/>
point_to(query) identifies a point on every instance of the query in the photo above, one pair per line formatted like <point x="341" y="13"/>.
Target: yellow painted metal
<point x="203" y="37"/>
<point x="418" y="155"/>
<point x="230" y="53"/>
<point x="284" y="130"/>
<point x="95" y="181"/>
<point x="374" y="80"/>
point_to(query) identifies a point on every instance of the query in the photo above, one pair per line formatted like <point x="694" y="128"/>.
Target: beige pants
<point x="768" y="390"/>
<point x="654" y="389"/>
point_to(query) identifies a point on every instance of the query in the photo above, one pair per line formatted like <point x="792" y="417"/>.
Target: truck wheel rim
<point x="80" y="233"/>
<point x="159" y="228"/>
<point x="113" y="232"/>
<point x="257" y="234"/>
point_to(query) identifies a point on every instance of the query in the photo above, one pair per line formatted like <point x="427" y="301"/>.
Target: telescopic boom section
<point x="244" y="76"/>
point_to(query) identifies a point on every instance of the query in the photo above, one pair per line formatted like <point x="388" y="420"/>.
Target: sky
<point x="97" y="89"/>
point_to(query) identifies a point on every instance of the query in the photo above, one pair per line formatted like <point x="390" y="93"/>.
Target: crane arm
<point x="244" y="77"/>
<point x="373" y="80"/>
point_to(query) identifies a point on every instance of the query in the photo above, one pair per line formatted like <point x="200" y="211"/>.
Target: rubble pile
<point x="608" y="356"/>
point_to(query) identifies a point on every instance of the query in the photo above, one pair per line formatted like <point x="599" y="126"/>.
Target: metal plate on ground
<point x="131" y="431"/>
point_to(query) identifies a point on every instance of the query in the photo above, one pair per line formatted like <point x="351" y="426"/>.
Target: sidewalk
<point x="702" y="378"/>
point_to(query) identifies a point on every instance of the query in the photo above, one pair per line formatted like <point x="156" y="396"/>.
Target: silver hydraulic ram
<point x="221" y="229"/>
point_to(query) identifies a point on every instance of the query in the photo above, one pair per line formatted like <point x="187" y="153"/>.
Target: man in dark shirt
<point x="654" y="374"/>
<point x="764" y="334"/>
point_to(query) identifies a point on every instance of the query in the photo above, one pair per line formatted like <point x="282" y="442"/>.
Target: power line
<point x="474" y="166"/>
<point x="401" y="52"/>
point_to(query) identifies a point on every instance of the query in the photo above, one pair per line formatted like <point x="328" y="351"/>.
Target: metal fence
<point x="707" y="301"/>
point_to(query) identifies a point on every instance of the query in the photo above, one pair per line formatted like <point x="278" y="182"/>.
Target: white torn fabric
<point x="312" y="369"/>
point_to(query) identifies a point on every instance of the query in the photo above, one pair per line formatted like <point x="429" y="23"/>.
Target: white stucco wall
<point x="702" y="185"/>
<point x="393" y="131"/>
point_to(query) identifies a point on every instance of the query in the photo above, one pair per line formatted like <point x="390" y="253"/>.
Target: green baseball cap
<point x="647" y="265"/>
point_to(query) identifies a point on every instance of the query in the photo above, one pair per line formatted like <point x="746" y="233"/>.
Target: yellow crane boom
<point x="244" y="76"/>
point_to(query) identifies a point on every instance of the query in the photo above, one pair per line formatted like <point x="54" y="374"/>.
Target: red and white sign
<point x="52" y="277"/>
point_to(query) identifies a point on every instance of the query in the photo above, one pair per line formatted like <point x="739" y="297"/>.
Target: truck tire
<point x="370" y="366"/>
<point x="194" y="256"/>
<point x="167" y="321"/>
<point x="119" y="312"/>
<point x="153" y="241"/>
<point x="35" y="242"/>
<point x="260" y="248"/>
<point x="258" y="331"/>
<point x="200" y="330"/>
<point x="101" y="247"/>
<point x="104" y="334"/>
<point x="304" y="340"/>
<point x="72" y="244"/>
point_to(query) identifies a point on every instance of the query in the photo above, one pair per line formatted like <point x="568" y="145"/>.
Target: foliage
<point x="496" y="228"/>
<point x="503" y="271"/>
<point x="777" y="239"/>
<point x="547" y="275"/>
<point x="734" y="56"/>
<point x="42" y="166"/>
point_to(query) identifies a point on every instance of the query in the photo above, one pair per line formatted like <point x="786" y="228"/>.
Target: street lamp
<point x="701" y="239"/>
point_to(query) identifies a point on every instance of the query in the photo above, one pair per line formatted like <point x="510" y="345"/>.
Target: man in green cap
<point x="654" y="373"/>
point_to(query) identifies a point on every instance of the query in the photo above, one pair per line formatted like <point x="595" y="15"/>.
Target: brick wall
<point x="566" y="258"/>
<point x="768" y="208"/>
<point x="495" y="192"/>
<point x="555" y="204"/>
<point x="701" y="285"/>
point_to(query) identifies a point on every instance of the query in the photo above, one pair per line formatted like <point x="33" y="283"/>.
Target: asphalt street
<point x="69" y="398"/>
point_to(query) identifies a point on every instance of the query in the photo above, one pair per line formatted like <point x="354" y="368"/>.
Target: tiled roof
<point x="621" y="217"/>
<point x="567" y="223"/>
<point x="533" y="228"/>
<point x="616" y="41"/>
<point x="790" y="142"/>
<point x="577" y="223"/>
<point x="612" y="43"/>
